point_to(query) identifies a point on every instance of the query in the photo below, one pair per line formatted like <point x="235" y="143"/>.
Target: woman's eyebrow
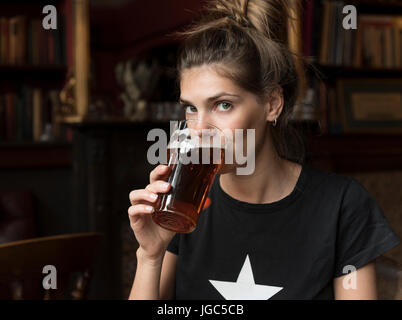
<point x="217" y="96"/>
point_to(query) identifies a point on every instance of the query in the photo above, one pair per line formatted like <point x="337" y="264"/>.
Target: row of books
<point x="29" y="114"/>
<point x="375" y="43"/>
<point x="25" y="41"/>
<point x="380" y="38"/>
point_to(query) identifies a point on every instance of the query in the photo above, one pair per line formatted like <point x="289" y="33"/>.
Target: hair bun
<point x="269" y="17"/>
<point x="235" y="10"/>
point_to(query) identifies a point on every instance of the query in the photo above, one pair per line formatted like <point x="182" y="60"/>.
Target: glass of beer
<point x="194" y="154"/>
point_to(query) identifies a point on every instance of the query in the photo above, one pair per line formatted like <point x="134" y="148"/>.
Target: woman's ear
<point x="274" y="104"/>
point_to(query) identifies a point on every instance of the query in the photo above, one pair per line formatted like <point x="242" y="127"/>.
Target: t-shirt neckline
<point x="264" y="207"/>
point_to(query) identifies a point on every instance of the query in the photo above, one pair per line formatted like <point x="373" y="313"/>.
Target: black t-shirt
<point x="289" y="249"/>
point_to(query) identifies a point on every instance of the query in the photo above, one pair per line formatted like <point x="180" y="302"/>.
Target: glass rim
<point x="197" y="120"/>
<point x="181" y="125"/>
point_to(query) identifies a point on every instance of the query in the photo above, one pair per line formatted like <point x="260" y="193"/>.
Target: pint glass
<point x="194" y="154"/>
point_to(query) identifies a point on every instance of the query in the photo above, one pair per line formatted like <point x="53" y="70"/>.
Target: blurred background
<point x="77" y="102"/>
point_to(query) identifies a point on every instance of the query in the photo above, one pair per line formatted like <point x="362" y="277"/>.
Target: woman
<point x="287" y="231"/>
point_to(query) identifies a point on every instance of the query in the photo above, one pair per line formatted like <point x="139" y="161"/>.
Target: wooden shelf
<point x="35" y="154"/>
<point x="16" y="71"/>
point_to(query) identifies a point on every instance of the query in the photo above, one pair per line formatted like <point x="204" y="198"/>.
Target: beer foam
<point x="189" y="144"/>
<point x="184" y="141"/>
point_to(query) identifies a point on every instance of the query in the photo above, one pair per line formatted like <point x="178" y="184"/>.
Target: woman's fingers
<point x="142" y="195"/>
<point x="143" y="200"/>
<point x="158" y="186"/>
<point x="135" y="212"/>
<point x="159" y="173"/>
<point x="140" y="209"/>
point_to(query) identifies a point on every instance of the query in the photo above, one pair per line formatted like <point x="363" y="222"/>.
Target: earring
<point x="274" y="123"/>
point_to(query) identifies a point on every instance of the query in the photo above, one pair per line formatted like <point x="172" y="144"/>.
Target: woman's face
<point x="216" y="100"/>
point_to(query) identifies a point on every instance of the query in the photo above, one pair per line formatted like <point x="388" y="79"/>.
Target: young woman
<point x="287" y="231"/>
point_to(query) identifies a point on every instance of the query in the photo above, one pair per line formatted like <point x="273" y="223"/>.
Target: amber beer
<point x="179" y="209"/>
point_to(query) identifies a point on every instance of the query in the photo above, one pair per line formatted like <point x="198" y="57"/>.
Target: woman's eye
<point x="224" y="106"/>
<point x="190" y="109"/>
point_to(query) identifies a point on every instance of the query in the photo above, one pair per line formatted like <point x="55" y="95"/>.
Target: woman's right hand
<point x="153" y="240"/>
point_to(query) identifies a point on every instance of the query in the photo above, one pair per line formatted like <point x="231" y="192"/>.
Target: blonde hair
<point x="247" y="41"/>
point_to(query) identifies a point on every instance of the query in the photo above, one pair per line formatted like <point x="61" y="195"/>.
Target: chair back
<point x="28" y="267"/>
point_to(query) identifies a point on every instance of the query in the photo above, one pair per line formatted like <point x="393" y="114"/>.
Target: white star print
<point x="245" y="288"/>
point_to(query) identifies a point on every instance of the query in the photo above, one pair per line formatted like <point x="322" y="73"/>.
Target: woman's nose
<point x="198" y="123"/>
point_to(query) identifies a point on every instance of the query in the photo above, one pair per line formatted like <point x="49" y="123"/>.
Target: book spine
<point x="308" y="27"/>
<point x="50" y="46"/>
<point x="11" y="116"/>
<point x="317" y="21"/>
<point x="62" y="42"/>
<point x="13" y="32"/>
<point x="37" y="113"/>
<point x="29" y="115"/>
<point x="333" y="33"/>
<point x="325" y="33"/>
<point x="21" y="40"/>
<point x="340" y="35"/>
<point x="35" y="42"/>
<point x="20" y="116"/>
<point x="5" y="40"/>
<point x="2" y="118"/>
<point x="30" y="44"/>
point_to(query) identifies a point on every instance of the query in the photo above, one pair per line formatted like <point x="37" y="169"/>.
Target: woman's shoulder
<point x="350" y="193"/>
<point x="322" y="179"/>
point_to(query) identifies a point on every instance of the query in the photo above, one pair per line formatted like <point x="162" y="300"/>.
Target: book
<point x="397" y="32"/>
<point x="317" y="22"/>
<point x="13" y="32"/>
<point x="333" y="37"/>
<point x="325" y="27"/>
<point x="4" y="40"/>
<point x="37" y="114"/>
<point x="308" y="27"/>
<point x="27" y="125"/>
<point x="340" y="35"/>
<point x="388" y="52"/>
<point x="17" y="40"/>
<point x="11" y="116"/>
<point x="51" y="52"/>
<point x="2" y="118"/>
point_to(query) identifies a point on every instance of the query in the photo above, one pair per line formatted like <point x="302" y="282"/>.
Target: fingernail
<point x="166" y="185"/>
<point x="153" y="196"/>
<point x="150" y="209"/>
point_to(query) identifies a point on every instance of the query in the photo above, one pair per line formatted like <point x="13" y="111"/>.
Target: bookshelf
<point x="371" y="52"/>
<point x="34" y="63"/>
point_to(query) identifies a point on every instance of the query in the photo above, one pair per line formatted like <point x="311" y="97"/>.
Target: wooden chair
<point x="22" y="263"/>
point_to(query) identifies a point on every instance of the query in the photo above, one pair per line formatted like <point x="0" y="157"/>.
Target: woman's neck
<point x="273" y="179"/>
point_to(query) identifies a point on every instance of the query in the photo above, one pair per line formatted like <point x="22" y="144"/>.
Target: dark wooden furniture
<point x="109" y="161"/>
<point x="22" y="263"/>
